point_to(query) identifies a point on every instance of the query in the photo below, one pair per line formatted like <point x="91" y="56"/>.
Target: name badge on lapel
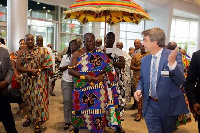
<point x="165" y="73"/>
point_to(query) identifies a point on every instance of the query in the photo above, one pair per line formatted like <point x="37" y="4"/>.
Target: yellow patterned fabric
<point x="35" y="89"/>
<point x="109" y="11"/>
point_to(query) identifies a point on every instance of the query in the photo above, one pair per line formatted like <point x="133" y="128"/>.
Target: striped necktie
<point x="153" y="78"/>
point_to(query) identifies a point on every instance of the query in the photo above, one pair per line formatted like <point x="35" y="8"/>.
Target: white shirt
<point x="65" y="61"/>
<point x="101" y="47"/>
<point x="116" y="51"/>
<point x="158" y="54"/>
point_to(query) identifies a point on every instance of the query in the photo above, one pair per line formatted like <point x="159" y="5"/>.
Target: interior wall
<point x="162" y="17"/>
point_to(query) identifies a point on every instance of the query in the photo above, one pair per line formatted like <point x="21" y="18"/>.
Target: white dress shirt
<point x="158" y="54"/>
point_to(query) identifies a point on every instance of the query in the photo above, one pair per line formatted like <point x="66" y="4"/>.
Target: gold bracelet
<point x="70" y="67"/>
<point x="82" y="77"/>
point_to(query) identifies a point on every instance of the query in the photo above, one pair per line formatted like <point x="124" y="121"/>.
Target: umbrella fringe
<point x="82" y="9"/>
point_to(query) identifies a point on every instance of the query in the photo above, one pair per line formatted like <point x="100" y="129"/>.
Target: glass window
<point x="65" y="28"/>
<point x="172" y="32"/>
<point x="182" y="28"/>
<point x="3" y="13"/>
<point x="43" y="28"/>
<point x="65" y="39"/>
<point x="77" y="29"/>
<point x="123" y="34"/>
<point x="102" y="30"/>
<point x="90" y="24"/>
<point x="184" y="33"/>
<point x="123" y="26"/>
<point x="41" y="10"/>
<point x="193" y="29"/>
<point x="70" y="29"/>
<point x="129" y="32"/>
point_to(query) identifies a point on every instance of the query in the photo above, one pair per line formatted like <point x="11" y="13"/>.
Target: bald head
<point x="39" y="41"/>
<point x="131" y="51"/>
<point x="131" y="48"/>
<point x="49" y="45"/>
<point x="119" y="45"/>
<point x="171" y="45"/>
<point x="98" y="42"/>
<point x="182" y="51"/>
<point x="29" y="40"/>
<point x="137" y="44"/>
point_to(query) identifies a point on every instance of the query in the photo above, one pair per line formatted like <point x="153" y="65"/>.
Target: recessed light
<point x="44" y="7"/>
<point x="1" y="5"/>
<point x="30" y="10"/>
<point x="48" y="10"/>
<point x="38" y="3"/>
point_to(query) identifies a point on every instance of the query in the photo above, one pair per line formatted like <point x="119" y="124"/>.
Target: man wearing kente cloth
<point x="36" y="67"/>
<point x="94" y="88"/>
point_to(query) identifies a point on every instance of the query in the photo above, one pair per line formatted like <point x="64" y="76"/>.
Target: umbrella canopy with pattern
<point x="109" y="11"/>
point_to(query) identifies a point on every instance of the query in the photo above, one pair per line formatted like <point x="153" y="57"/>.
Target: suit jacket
<point x="170" y="97"/>
<point x="193" y="79"/>
<point x="7" y="70"/>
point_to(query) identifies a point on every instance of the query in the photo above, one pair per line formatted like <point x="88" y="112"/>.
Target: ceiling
<point x="33" y="5"/>
<point x="194" y="1"/>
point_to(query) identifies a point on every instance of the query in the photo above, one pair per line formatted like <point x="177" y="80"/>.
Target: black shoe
<point x="120" y="130"/>
<point x="27" y="123"/>
<point x="52" y="94"/>
<point x="175" y="128"/>
<point x="133" y="107"/>
<point x="66" y="127"/>
<point x="137" y="118"/>
<point x="38" y="129"/>
<point x="74" y="130"/>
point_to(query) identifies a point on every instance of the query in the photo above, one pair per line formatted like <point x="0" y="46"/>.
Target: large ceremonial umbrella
<point x="108" y="11"/>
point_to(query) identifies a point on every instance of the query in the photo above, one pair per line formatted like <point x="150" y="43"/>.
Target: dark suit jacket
<point x="193" y="79"/>
<point x="7" y="70"/>
<point x="170" y="97"/>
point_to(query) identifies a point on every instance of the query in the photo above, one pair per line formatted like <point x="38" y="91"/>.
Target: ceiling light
<point x="48" y="10"/>
<point x="30" y="10"/>
<point x="44" y="7"/>
<point x="38" y="3"/>
<point x="1" y="5"/>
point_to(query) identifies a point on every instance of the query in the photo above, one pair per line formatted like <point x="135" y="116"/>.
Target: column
<point x="17" y="18"/>
<point x="198" y="35"/>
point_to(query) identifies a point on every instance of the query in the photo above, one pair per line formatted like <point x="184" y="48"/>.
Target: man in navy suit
<point x="161" y="77"/>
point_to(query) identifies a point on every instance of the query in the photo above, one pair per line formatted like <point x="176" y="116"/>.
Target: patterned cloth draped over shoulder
<point x="184" y="118"/>
<point x="35" y="89"/>
<point x="91" y="103"/>
<point x="15" y="95"/>
<point x="14" y="83"/>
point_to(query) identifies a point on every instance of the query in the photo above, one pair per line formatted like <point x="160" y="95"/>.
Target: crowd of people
<point x="98" y="81"/>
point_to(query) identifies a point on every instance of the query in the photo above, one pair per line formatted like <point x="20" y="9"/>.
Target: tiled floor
<point x="56" y="121"/>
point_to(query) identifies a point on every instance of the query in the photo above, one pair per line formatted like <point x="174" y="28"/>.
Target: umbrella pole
<point x="105" y="33"/>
